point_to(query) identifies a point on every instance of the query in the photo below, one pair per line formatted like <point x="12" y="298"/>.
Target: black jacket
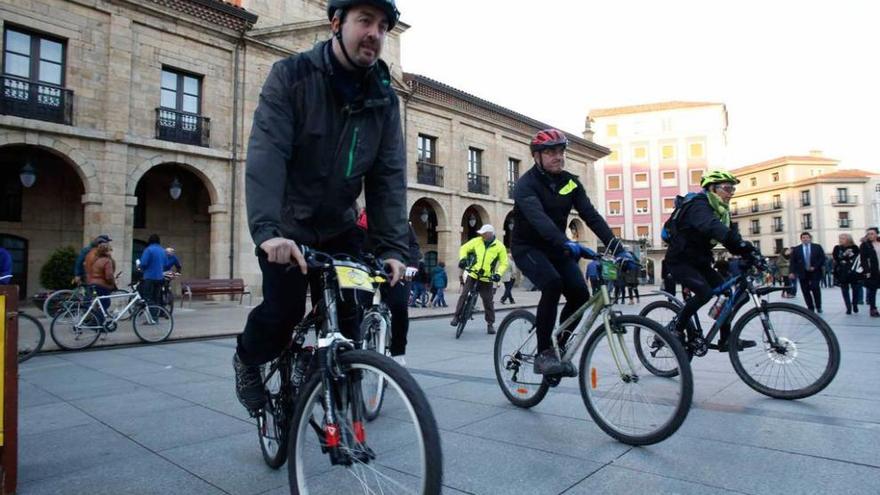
<point x="816" y="261"/>
<point x="870" y="269"/>
<point x="309" y="154"/>
<point x="542" y="204"/>
<point x="696" y="228"/>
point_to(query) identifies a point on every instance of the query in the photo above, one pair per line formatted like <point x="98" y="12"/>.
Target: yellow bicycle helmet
<point x="717" y="177"/>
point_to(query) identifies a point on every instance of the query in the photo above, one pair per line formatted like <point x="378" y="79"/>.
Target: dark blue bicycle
<point x="796" y="356"/>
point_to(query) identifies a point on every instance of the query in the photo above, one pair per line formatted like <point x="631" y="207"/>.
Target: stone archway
<point x="428" y="220"/>
<point x="472" y="219"/>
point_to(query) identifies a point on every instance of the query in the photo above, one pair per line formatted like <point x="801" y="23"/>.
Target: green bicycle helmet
<point x="717" y="177"/>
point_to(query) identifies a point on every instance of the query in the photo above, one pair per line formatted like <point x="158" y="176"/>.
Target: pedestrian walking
<point x="843" y="257"/>
<point x="783" y="263"/>
<point x="869" y="257"/>
<point x="807" y="261"/>
<point x="439" y="281"/>
<point x="594" y="275"/>
<point x="508" y="278"/>
<point x="668" y="280"/>
<point x="101" y="276"/>
<point x="631" y="277"/>
<point x="79" y="266"/>
<point x="152" y="264"/>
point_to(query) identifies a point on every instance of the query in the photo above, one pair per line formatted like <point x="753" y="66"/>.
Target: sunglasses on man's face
<point x="728" y="188"/>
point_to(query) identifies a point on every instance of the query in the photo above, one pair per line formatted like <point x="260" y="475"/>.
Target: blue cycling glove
<point x="573" y="248"/>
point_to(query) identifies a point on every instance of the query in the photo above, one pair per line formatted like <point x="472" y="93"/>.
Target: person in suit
<point x="807" y="262"/>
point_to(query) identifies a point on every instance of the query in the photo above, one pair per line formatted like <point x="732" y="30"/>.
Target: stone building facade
<point x="116" y="105"/>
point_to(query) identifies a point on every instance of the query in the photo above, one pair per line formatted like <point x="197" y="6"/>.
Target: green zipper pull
<point x="354" y="140"/>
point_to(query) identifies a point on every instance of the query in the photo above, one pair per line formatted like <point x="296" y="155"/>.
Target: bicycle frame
<point x="135" y="298"/>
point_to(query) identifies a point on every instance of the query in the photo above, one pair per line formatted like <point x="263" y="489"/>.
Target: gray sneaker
<point x="248" y="385"/>
<point x="546" y="363"/>
<point x="490" y="329"/>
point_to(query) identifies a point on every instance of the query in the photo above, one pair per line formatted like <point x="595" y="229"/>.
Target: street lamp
<point x="28" y="175"/>
<point x="510" y="224"/>
<point x="175" y="189"/>
<point x="424" y="216"/>
<point x="472" y="220"/>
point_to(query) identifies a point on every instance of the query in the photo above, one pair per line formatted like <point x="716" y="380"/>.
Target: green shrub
<point x="57" y="273"/>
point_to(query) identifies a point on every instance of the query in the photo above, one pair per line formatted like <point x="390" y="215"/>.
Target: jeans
<point x="846" y="288"/>
<point x="508" y="286"/>
<point x="440" y="296"/>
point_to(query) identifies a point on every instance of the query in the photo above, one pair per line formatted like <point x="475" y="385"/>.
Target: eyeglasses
<point x="729" y="189"/>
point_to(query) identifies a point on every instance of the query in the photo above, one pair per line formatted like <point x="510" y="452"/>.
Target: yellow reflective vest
<point x="491" y="260"/>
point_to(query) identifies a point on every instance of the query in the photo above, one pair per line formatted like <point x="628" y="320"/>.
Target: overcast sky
<point x="795" y="76"/>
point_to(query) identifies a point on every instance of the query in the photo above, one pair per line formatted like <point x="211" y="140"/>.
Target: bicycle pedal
<point x="698" y="346"/>
<point x="552" y="380"/>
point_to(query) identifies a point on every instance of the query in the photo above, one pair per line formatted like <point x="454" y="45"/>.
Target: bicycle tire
<point x="660" y="428"/>
<point x="168" y="300"/>
<point x="794" y="347"/>
<point x="307" y="444"/>
<point x="467" y="311"/>
<point x="31" y="337"/>
<point x="273" y="420"/>
<point x="523" y="394"/>
<point x="52" y="304"/>
<point x="645" y="347"/>
<point x="150" y="329"/>
<point x="64" y="324"/>
<point x="373" y="385"/>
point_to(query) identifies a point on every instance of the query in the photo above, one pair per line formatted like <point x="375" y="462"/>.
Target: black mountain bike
<point x="797" y="354"/>
<point x="314" y="414"/>
<point x="470" y="302"/>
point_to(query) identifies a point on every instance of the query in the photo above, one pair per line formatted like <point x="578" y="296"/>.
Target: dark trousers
<point x="508" y="296"/>
<point x="554" y="274"/>
<point x="396" y="298"/>
<point x="669" y="284"/>
<point x="700" y="281"/>
<point x="633" y="292"/>
<point x="812" y="293"/>
<point x="846" y="288"/>
<point x="595" y="284"/>
<point x="486" y="292"/>
<point x="270" y="325"/>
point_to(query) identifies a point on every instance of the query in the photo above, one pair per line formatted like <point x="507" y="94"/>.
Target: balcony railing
<point x="182" y="127"/>
<point x="777" y="227"/>
<point x="478" y="183"/>
<point x="843" y="223"/>
<point x="755" y="229"/>
<point x="429" y="173"/>
<point x="755" y="208"/>
<point x="510" y="185"/>
<point x="844" y="200"/>
<point x="806" y="202"/>
<point x="34" y="100"/>
<point x="776" y="205"/>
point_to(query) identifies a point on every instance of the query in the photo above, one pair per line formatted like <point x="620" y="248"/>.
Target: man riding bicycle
<point x="490" y="263"/>
<point x="543" y="199"/>
<point x="327" y="122"/>
<point x="703" y="222"/>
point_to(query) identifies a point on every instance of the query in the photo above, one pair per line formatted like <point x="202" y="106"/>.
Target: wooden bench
<point x="210" y="286"/>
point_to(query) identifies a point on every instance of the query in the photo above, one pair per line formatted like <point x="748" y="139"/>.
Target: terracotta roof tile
<point x="649" y="107"/>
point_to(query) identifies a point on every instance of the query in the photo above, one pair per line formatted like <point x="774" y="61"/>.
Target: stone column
<point x="93" y="224"/>
<point x="126" y="243"/>
<point x="219" y="240"/>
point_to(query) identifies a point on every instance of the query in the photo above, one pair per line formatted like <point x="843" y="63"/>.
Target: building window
<point x="611" y="130"/>
<point x="33" y="77"/>
<point x="512" y="175"/>
<point x="614" y="208"/>
<point x="614" y="156"/>
<point x="642" y="206"/>
<point x="695" y="150"/>
<point x="427" y="149"/>
<point x="757" y="244"/>
<point x="775" y="176"/>
<point x="640" y="153"/>
<point x="668" y="205"/>
<point x="475" y="161"/>
<point x="777" y="201"/>
<point x="669" y="178"/>
<point x="754" y="205"/>
<point x="695" y="176"/>
<point x="807" y="221"/>
<point x="617" y="232"/>
<point x="640" y="180"/>
<point x="805" y="198"/>
<point x="777" y="246"/>
<point x="613" y="182"/>
<point x="10" y="194"/>
<point x="843" y="220"/>
<point x="753" y="181"/>
<point x="179" y="114"/>
<point x="734" y="208"/>
<point x="181" y="91"/>
<point x="643" y="231"/>
<point x="777" y="224"/>
<point x="667" y="152"/>
<point x="755" y="227"/>
<point x="842" y="195"/>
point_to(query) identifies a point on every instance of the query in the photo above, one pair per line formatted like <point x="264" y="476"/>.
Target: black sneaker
<point x="454" y="321"/>
<point x="546" y="363"/>
<point x="722" y="346"/>
<point x="248" y="385"/>
<point x="490" y="329"/>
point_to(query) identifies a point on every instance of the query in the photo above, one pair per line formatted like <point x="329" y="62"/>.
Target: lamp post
<point x="472" y="220"/>
<point x="424" y="216"/>
<point x="28" y="175"/>
<point x="175" y="189"/>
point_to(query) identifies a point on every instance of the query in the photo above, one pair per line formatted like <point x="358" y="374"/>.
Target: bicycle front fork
<point x="342" y="393"/>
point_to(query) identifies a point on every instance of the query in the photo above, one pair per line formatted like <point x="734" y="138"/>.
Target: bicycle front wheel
<point x="467" y="311"/>
<point x="656" y="357"/>
<point x="372" y="384"/>
<point x="273" y="421"/>
<point x="398" y="453"/>
<point x="802" y="362"/>
<point x="626" y="400"/>
<point x="31" y="336"/>
<point x="70" y="331"/>
<point x="516" y="346"/>
<point x="152" y="324"/>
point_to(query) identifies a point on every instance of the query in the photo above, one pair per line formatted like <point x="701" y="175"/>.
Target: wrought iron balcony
<point x="844" y="223"/>
<point x="777" y="227"/>
<point x="755" y="229"/>
<point x="478" y="183"/>
<point x="182" y="127"/>
<point x="34" y="100"/>
<point x="429" y="173"/>
<point x="848" y="200"/>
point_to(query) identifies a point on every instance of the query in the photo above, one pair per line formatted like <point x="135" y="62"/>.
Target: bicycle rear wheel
<point x="803" y="362"/>
<point x="31" y="336"/>
<point x="152" y="324"/>
<point x="273" y="421"/>
<point x="52" y="305"/>
<point x="628" y="402"/>
<point x="372" y="384"/>
<point x="514" y="361"/>
<point x="398" y="453"/>
<point x="71" y="332"/>
<point x="654" y="355"/>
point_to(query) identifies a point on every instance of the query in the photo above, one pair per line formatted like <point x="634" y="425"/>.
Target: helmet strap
<point x="338" y="36"/>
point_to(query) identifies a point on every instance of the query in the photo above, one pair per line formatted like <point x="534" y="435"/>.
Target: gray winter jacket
<point x="310" y="153"/>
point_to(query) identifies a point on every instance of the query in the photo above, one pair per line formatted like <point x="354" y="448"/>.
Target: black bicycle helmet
<point x="387" y="6"/>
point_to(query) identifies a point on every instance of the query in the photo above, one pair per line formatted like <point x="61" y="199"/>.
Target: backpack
<point x="670" y="227"/>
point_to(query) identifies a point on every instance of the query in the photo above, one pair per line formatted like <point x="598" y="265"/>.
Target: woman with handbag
<point x="869" y="257"/>
<point x="843" y="258"/>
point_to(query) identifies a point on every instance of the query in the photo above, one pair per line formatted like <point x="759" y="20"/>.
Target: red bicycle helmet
<point x="548" y="138"/>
